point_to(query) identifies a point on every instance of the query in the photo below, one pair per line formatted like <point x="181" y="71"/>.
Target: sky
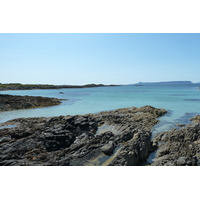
<point x="107" y="58"/>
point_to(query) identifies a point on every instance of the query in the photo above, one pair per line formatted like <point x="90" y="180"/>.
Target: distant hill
<point x="167" y="82"/>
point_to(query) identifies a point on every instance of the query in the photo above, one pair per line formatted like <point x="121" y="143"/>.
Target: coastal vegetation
<point x="19" y="86"/>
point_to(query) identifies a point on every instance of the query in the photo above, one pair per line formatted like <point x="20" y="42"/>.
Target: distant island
<point x="167" y="82"/>
<point x="19" y="86"/>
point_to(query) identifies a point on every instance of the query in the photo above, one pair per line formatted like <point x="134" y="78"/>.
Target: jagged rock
<point x="71" y="140"/>
<point x="108" y="148"/>
<point x="126" y="136"/>
<point x="179" y="147"/>
<point x="136" y="151"/>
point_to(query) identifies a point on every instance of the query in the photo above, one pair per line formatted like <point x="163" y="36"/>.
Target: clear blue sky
<point x="77" y="59"/>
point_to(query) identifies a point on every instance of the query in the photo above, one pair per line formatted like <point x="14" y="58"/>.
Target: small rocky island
<point x="15" y="102"/>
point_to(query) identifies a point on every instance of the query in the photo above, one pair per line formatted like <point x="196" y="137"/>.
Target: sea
<point x="182" y="101"/>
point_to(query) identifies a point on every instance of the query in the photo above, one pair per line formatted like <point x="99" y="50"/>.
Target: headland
<point x="19" y="86"/>
<point x="16" y="102"/>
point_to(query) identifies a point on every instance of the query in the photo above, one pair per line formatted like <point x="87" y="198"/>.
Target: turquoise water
<point x="181" y="100"/>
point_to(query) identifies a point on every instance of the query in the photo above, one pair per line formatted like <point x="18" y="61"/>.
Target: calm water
<point x="181" y="100"/>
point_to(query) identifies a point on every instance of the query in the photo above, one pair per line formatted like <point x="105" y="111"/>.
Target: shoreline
<point x="19" y="86"/>
<point x="72" y="140"/>
<point x="178" y="147"/>
<point x="120" y="137"/>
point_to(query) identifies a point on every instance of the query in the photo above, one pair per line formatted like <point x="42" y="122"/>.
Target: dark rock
<point x="14" y="102"/>
<point x="108" y="148"/>
<point x="105" y="137"/>
<point x="56" y="142"/>
<point x="136" y="151"/>
<point x="192" y="161"/>
<point x="18" y="135"/>
<point x="126" y="136"/>
<point x="154" y="146"/>
<point x="179" y="147"/>
<point x="71" y="140"/>
<point x="18" y="86"/>
<point x="181" y="161"/>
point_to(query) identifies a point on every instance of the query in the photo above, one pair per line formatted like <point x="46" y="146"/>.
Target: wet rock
<point x="18" y="135"/>
<point x="56" y="142"/>
<point x="108" y="148"/>
<point x="105" y="137"/>
<point x="135" y="152"/>
<point x="179" y="147"/>
<point x="153" y="146"/>
<point x="83" y="138"/>
<point x="181" y="161"/>
<point x="126" y="136"/>
<point x="82" y="122"/>
<point x="71" y="140"/>
<point x="144" y="117"/>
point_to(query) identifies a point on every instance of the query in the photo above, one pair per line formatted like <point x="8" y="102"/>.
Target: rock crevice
<point x="72" y="140"/>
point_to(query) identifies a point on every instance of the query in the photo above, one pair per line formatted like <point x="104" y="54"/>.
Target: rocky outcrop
<point x="196" y="119"/>
<point x="178" y="147"/>
<point x="15" y="102"/>
<point x="127" y="119"/>
<point x="135" y="152"/>
<point x="72" y="140"/>
<point x="134" y="125"/>
<point x="45" y="141"/>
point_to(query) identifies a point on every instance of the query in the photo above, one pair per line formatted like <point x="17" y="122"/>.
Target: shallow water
<point x="106" y="127"/>
<point x="181" y="100"/>
<point x="10" y="126"/>
<point x="104" y="160"/>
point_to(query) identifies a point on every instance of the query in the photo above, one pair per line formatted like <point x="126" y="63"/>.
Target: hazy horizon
<point x="86" y="58"/>
<point x="105" y="84"/>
